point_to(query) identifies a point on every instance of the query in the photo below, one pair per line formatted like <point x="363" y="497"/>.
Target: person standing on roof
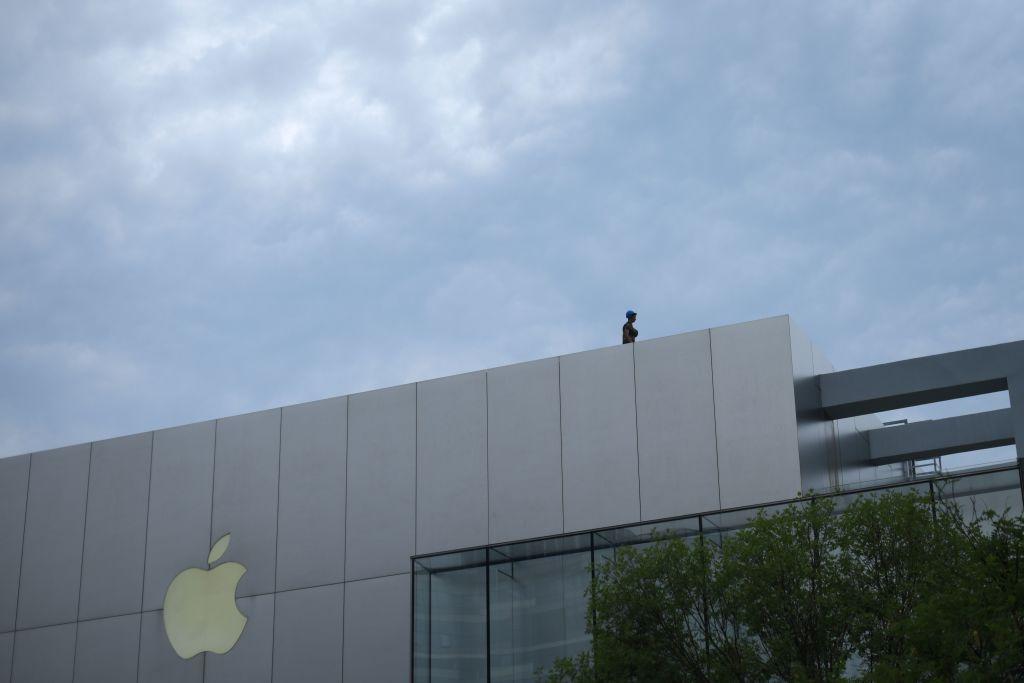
<point x="629" y="332"/>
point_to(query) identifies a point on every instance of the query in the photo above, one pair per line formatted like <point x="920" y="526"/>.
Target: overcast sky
<point x="208" y="208"/>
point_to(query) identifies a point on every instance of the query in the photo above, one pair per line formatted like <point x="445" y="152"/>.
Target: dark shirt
<point x="629" y="333"/>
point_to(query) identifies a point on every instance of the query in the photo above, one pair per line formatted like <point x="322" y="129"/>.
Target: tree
<point x="970" y="624"/>
<point x="656" y="616"/>
<point x="789" y="589"/>
<point x="892" y="588"/>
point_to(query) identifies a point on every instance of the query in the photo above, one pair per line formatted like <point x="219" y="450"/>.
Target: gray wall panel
<point x="107" y="650"/>
<point x="311" y="520"/>
<point x="524" y="451"/>
<point x="52" y="559"/>
<point x="115" y="531"/>
<point x="755" y="412"/>
<point x="377" y="626"/>
<point x="250" y="660"/>
<point x="813" y="429"/>
<point x="179" y="506"/>
<point x="308" y="635"/>
<point x="245" y="473"/>
<point x="849" y="450"/>
<point x="676" y="425"/>
<point x="822" y="365"/>
<point x="158" y="663"/>
<point x="13" y="494"/>
<point x="599" y="453"/>
<point x="380" y="516"/>
<point x="451" y="463"/>
<point x="6" y="656"/>
<point x="45" y="655"/>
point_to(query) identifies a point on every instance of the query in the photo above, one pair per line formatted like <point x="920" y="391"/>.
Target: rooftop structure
<point x="337" y="508"/>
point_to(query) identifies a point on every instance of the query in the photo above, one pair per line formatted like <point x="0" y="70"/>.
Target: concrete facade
<point x="326" y="502"/>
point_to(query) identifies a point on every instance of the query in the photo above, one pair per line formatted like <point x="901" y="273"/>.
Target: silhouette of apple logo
<point x="200" y="614"/>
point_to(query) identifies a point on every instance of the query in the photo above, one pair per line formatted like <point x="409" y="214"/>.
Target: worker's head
<point x="630" y="316"/>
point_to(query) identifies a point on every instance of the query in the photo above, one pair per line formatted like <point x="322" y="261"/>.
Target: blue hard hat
<point x="630" y="314"/>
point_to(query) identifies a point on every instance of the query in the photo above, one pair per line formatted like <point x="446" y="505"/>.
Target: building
<point x="443" y="530"/>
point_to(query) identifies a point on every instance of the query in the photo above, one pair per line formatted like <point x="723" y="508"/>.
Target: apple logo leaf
<point x="218" y="549"/>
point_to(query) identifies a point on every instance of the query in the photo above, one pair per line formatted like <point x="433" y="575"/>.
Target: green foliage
<point x="791" y="591"/>
<point x="891" y="588"/>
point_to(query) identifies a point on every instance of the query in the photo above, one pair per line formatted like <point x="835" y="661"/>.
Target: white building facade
<point x="442" y="530"/>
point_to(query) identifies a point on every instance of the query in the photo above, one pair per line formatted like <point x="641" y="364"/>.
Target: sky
<point x="212" y="207"/>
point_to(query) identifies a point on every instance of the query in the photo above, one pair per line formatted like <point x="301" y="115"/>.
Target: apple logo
<point x="200" y="614"/>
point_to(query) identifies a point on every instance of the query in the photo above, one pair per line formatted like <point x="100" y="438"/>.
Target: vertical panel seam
<point x="636" y="429"/>
<point x="416" y="469"/>
<point x="344" y="522"/>
<point x="21" y="563"/>
<point x="344" y="564"/>
<point x="277" y="511"/>
<point x="796" y="404"/>
<point x="213" y="479"/>
<point x="277" y="536"/>
<point x="412" y="620"/>
<point x="714" y="413"/>
<point x="213" y="491"/>
<point x="145" y="557"/>
<point x="487" y="450"/>
<point x="561" y="439"/>
<point x="81" y="564"/>
<point x="273" y="632"/>
<point x="344" y="592"/>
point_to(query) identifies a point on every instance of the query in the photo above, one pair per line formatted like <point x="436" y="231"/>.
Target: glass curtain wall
<point x="507" y="613"/>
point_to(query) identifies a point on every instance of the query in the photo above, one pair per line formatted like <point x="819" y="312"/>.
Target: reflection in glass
<point x="972" y="495"/>
<point x="457" y="631"/>
<point x="538" y="614"/>
<point x="508" y="612"/>
<point x="420" y="623"/>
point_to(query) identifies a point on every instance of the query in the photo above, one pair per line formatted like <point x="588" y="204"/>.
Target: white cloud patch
<point x="213" y="207"/>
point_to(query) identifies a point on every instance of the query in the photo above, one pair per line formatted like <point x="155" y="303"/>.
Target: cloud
<point x="208" y="208"/>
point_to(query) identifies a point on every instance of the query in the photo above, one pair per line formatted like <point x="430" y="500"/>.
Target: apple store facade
<point x="447" y="530"/>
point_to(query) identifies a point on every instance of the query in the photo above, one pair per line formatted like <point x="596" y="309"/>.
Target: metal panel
<point x="44" y="655"/>
<point x="381" y="482"/>
<point x="935" y="438"/>
<point x="251" y="659"/>
<point x="941" y="377"/>
<point x="52" y="558"/>
<point x="755" y="412"/>
<point x="179" y="506"/>
<point x="377" y="626"/>
<point x="158" y="663"/>
<point x="107" y="650"/>
<point x="308" y="635"/>
<point x="6" y="656"/>
<point x="849" y="448"/>
<point x="311" y="519"/>
<point x="675" y="412"/>
<point x="1016" y="389"/>
<point x="524" y="451"/>
<point x="13" y="494"/>
<point x="245" y="495"/>
<point x="813" y="429"/>
<point x="599" y="454"/>
<point x="115" y="532"/>
<point x="821" y="365"/>
<point x="451" y="463"/>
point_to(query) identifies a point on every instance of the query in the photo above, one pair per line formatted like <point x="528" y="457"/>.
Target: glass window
<point x="457" y="632"/>
<point x="508" y="612"/>
<point x="538" y="614"/>
<point x="420" y="623"/>
<point x="976" y="493"/>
